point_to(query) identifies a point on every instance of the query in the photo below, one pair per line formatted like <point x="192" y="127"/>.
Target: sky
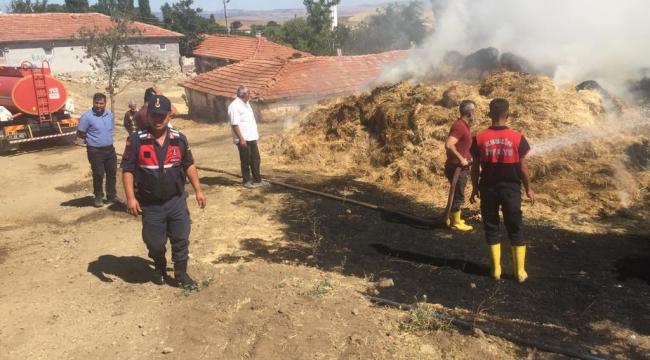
<point x="212" y="5"/>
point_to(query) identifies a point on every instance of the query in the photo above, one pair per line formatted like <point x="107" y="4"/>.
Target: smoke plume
<point x="602" y="40"/>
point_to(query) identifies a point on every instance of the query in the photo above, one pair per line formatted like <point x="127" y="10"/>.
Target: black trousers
<point x="169" y="219"/>
<point x="506" y="196"/>
<point x="249" y="156"/>
<point x="103" y="160"/>
<point x="459" y="191"/>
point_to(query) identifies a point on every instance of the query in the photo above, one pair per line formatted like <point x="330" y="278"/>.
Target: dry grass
<point x="394" y="136"/>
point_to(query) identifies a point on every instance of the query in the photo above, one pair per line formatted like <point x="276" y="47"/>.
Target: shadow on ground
<point x="131" y="269"/>
<point x="577" y="281"/>
<point x="58" y="145"/>
<point x="88" y="201"/>
<point x="219" y="181"/>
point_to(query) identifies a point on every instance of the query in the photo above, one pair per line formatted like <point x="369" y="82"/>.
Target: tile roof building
<point x="278" y="82"/>
<point x="51" y="36"/>
<point x="220" y="50"/>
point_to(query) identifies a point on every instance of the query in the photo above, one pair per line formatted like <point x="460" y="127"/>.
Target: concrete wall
<point x="65" y="55"/>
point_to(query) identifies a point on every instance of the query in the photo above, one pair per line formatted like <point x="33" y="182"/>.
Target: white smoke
<point x="602" y="40"/>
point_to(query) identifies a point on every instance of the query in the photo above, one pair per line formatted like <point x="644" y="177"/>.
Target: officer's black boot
<point x="180" y="274"/>
<point x="160" y="271"/>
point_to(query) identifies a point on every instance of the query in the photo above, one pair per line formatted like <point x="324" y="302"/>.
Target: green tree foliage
<point x="109" y="53"/>
<point x="295" y="33"/>
<point x="236" y="25"/>
<point x="183" y="18"/>
<point x="313" y="34"/>
<point x="106" y="7"/>
<point x="77" y="6"/>
<point x="398" y="26"/>
<point x="125" y="6"/>
<point x="319" y="14"/>
<point x="37" y="6"/>
<point x="144" y="13"/>
<point x="323" y="40"/>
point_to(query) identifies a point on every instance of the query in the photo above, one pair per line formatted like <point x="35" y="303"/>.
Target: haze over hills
<point x="281" y="15"/>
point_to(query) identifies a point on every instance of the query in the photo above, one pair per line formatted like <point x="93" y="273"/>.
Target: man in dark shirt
<point x="154" y="166"/>
<point x="129" y="118"/>
<point x="458" y="157"/>
<point x="141" y="115"/>
<point x="501" y="153"/>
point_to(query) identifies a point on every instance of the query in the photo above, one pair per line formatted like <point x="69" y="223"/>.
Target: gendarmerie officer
<point x="155" y="163"/>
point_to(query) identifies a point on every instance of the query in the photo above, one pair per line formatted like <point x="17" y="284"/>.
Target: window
<point x="48" y="51"/>
<point x="163" y="47"/>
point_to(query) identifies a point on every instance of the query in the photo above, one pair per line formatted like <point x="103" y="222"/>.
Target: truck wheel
<point x="6" y="148"/>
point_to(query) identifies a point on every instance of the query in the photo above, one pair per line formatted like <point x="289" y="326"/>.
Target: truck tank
<point x="35" y="106"/>
<point x="17" y="90"/>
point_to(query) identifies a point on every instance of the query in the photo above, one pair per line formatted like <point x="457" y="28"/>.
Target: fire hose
<point x="390" y="213"/>
<point x="385" y="212"/>
<point x="433" y="223"/>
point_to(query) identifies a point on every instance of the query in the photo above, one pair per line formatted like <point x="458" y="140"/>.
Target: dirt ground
<point x="285" y="273"/>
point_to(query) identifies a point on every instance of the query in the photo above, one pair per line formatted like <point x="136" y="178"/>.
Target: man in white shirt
<point x="245" y="136"/>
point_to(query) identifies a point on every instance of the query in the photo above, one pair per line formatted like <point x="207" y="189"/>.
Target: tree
<point x="295" y="33"/>
<point x="182" y="18"/>
<point x="312" y="34"/>
<point x="106" y="7"/>
<point x="323" y="40"/>
<point x="398" y="26"/>
<point x="125" y="6"/>
<point x="37" y="6"/>
<point x="319" y="14"/>
<point x="109" y="52"/>
<point x="272" y="23"/>
<point x="236" y="25"/>
<point x="144" y="11"/>
<point x="77" y="6"/>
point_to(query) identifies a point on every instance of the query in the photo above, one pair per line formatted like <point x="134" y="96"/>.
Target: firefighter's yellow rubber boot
<point x="495" y="254"/>
<point x="458" y="223"/>
<point x="519" y="262"/>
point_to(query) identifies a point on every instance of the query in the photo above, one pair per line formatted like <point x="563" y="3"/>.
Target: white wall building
<point x="52" y="37"/>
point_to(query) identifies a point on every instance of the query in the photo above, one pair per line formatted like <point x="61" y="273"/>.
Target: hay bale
<point x="394" y="136"/>
<point x="482" y="61"/>
<point x="512" y="62"/>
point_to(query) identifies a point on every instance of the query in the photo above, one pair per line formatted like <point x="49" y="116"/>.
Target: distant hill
<point x="281" y="15"/>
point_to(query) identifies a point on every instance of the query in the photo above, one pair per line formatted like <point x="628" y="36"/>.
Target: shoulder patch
<point x="142" y="134"/>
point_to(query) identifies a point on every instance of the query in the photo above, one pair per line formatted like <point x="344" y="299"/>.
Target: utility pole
<point x="225" y="15"/>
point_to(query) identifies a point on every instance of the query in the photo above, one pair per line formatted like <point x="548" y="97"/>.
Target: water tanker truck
<point x="34" y="106"/>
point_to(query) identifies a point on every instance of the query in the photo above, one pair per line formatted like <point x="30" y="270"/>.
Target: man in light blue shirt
<point x="96" y="128"/>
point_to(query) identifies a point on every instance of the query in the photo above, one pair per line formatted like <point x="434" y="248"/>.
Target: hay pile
<point x="394" y="136"/>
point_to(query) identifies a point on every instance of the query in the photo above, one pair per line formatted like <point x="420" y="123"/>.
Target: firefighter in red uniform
<point x="501" y="152"/>
<point x="155" y="164"/>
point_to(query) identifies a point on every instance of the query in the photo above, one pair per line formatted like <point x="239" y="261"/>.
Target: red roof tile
<point x="310" y="77"/>
<point x="62" y="26"/>
<point x="240" y="48"/>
